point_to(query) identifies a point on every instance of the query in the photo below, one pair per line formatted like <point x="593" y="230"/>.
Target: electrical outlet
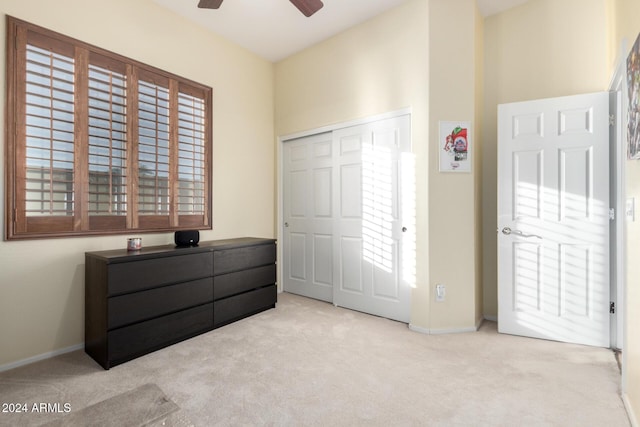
<point x="630" y="209"/>
<point x="440" y="292"/>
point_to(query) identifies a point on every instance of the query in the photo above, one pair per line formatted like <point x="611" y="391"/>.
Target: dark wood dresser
<point x="138" y="302"/>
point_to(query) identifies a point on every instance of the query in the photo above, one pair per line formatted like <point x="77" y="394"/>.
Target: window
<point x="101" y="144"/>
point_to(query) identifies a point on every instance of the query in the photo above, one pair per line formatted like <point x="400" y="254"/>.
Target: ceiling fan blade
<point x="308" y="7"/>
<point x="209" y="4"/>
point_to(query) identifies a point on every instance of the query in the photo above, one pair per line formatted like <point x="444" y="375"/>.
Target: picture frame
<point x="455" y="146"/>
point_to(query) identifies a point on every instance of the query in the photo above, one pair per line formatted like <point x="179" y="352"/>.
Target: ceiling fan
<point x="307" y="7"/>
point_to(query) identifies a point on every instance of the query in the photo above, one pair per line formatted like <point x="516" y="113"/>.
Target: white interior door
<point x="553" y="219"/>
<point x="344" y="215"/>
<point x="369" y="223"/>
<point x="308" y="212"/>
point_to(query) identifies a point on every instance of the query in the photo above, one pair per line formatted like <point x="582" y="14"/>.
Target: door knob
<point x="404" y="229"/>
<point x="286" y="224"/>
<point x="508" y="230"/>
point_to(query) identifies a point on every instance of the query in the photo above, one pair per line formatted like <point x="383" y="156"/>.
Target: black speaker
<point x="186" y="238"/>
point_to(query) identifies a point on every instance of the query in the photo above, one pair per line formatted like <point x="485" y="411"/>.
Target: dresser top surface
<point x="124" y="255"/>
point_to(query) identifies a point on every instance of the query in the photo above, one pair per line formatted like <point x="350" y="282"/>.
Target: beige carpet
<point x="309" y="363"/>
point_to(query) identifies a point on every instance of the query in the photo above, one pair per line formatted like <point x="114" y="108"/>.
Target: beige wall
<point x="454" y="64"/>
<point x="627" y="27"/>
<point x="535" y="51"/>
<point x="42" y="282"/>
<point x="479" y="173"/>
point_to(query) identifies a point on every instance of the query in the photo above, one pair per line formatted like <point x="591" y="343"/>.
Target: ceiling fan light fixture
<point x="308" y="7"/>
<point x="209" y="4"/>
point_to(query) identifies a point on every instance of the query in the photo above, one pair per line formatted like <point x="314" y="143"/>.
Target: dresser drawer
<point x="241" y="281"/>
<point x="229" y="260"/>
<point x="138" y="275"/>
<point x="132" y="341"/>
<point x="233" y="308"/>
<point x="131" y="308"/>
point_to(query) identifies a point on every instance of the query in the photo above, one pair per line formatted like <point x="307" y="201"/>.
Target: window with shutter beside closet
<point x="99" y="143"/>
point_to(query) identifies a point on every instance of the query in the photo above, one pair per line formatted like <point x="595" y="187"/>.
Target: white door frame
<point x="280" y="156"/>
<point x="617" y="153"/>
<point x="618" y="88"/>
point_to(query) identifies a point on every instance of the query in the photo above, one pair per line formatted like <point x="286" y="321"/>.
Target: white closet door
<point x="344" y="217"/>
<point x="369" y="223"/>
<point x="308" y="213"/>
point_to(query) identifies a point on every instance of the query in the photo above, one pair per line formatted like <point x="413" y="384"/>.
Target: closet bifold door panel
<point x="308" y="180"/>
<point x="349" y="222"/>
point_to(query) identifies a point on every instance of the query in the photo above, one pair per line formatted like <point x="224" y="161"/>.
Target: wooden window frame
<point x="20" y="226"/>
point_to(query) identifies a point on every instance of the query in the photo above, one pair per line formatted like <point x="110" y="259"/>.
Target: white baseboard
<point x="491" y="318"/>
<point x="418" y="329"/>
<point x="443" y="331"/>
<point x="630" y="413"/>
<point x="39" y="357"/>
<point x="453" y="331"/>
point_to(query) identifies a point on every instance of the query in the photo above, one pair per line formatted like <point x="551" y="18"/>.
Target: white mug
<point x="134" y="244"/>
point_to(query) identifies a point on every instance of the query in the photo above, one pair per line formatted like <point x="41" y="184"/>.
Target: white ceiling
<point x="275" y="29"/>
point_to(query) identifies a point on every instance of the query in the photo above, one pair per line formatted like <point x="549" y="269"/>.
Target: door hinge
<point x="612" y="214"/>
<point x="612" y="307"/>
<point x="612" y="120"/>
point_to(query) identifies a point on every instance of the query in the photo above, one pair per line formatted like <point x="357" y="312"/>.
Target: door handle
<point x="507" y="231"/>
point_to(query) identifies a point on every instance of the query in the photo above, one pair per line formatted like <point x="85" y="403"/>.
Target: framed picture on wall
<point x="633" y="86"/>
<point x="455" y="146"/>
